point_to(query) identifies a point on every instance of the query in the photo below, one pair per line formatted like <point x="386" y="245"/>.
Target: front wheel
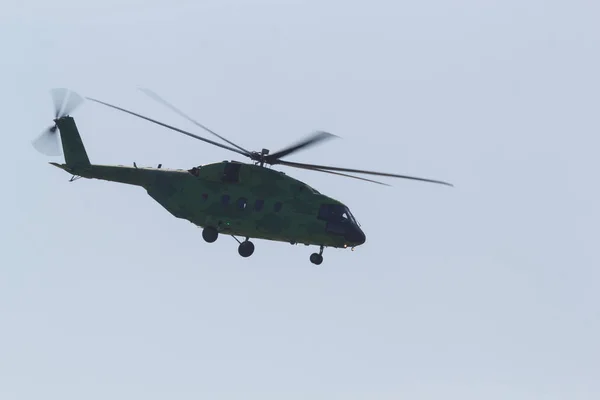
<point x="316" y="258"/>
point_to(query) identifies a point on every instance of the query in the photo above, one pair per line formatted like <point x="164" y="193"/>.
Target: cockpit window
<point x="335" y="213"/>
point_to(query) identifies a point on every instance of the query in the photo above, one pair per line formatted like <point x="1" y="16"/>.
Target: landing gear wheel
<point x="210" y="234"/>
<point x="316" y="258"/>
<point x="246" y="249"/>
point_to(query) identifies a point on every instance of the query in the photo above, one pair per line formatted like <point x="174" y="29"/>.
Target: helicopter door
<point x="231" y="173"/>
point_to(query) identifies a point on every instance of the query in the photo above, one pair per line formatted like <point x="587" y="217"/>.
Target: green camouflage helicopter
<point x="229" y="197"/>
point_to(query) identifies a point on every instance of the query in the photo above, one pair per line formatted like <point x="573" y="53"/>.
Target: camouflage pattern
<point x="289" y="211"/>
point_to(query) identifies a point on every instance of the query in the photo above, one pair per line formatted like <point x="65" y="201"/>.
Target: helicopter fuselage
<point x="240" y="199"/>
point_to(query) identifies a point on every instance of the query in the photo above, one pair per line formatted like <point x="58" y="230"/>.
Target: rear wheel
<point x="210" y="234"/>
<point x="246" y="249"/>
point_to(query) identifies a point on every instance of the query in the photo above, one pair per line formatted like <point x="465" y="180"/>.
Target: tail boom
<point x="145" y="177"/>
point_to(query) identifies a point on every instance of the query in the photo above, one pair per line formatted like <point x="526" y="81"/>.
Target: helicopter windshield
<point x="336" y="213"/>
<point x="350" y="216"/>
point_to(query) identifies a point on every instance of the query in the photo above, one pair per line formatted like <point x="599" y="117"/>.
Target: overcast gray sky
<point x="486" y="290"/>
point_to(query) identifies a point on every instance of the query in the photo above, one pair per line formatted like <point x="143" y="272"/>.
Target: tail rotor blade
<point x="65" y="101"/>
<point x="71" y="103"/>
<point x="58" y="98"/>
<point x="48" y="142"/>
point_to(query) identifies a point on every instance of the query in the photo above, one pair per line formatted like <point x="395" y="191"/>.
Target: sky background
<point x="485" y="290"/>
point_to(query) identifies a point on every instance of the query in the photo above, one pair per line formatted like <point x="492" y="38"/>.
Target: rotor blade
<point x="170" y="127"/>
<point x="309" y="141"/>
<point x="48" y="142"/>
<point x="337" y="173"/>
<point x="58" y="98"/>
<point x="72" y="102"/>
<point x="156" y="97"/>
<point x="359" y="171"/>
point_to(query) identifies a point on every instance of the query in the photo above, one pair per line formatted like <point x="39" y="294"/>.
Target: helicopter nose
<point x="356" y="236"/>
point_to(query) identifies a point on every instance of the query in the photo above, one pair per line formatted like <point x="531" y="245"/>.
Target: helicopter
<point x="238" y="199"/>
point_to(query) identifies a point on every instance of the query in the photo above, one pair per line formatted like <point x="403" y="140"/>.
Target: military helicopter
<point x="248" y="200"/>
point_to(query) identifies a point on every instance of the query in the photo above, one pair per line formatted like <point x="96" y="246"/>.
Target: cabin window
<point x="231" y="172"/>
<point x="258" y="204"/>
<point x="225" y="199"/>
<point x="241" y="203"/>
<point x="277" y="206"/>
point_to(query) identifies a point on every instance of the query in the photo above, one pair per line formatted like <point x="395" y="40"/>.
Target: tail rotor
<point x="65" y="102"/>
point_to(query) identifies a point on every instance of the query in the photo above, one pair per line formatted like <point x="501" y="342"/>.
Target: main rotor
<point x="264" y="157"/>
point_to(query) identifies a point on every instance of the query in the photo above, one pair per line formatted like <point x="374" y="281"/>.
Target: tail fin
<point x="73" y="149"/>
